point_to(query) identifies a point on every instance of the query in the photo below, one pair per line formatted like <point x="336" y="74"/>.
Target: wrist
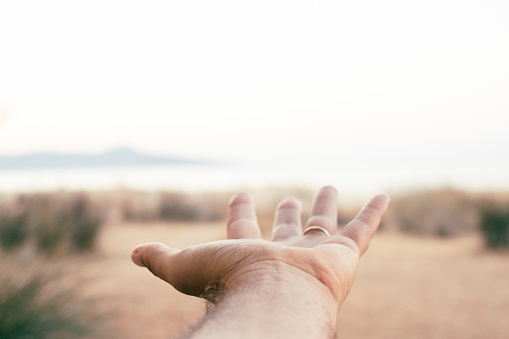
<point x="274" y="304"/>
<point x="282" y="280"/>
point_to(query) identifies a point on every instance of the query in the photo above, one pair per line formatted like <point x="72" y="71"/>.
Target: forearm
<point x="282" y="306"/>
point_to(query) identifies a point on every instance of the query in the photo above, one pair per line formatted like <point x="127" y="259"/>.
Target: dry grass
<point x="410" y="287"/>
<point x="146" y="307"/>
<point x="407" y="287"/>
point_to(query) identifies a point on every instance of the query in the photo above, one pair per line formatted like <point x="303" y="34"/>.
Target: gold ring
<point x="318" y="228"/>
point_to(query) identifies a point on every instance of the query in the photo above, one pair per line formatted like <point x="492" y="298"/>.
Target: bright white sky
<point x="400" y="84"/>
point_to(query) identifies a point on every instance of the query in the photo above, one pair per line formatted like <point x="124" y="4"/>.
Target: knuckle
<point x="241" y="222"/>
<point x="321" y="220"/>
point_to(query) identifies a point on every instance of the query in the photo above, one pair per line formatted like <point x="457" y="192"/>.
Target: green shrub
<point x="26" y="311"/>
<point x="55" y="221"/>
<point x="495" y="226"/>
<point x="13" y="229"/>
<point x="85" y="221"/>
<point x="49" y="235"/>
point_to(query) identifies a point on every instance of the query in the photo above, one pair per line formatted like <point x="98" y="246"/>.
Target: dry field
<point x="407" y="287"/>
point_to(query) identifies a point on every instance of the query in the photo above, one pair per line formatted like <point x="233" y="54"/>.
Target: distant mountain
<point x="121" y="157"/>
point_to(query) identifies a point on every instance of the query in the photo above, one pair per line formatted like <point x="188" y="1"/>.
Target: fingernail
<point x="136" y="258"/>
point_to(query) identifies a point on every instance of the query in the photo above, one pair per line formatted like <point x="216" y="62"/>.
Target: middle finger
<point x="287" y="221"/>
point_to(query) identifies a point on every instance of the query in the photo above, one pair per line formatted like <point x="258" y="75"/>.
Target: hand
<point x="324" y="266"/>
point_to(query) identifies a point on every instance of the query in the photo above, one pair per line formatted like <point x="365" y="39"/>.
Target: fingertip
<point x="136" y="258"/>
<point x="146" y="250"/>
<point x="381" y="201"/>
<point x="241" y="198"/>
<point x="329" y="191"/>
<point x="290" y="203"/>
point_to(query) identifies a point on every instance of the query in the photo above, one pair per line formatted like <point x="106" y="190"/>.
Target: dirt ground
<point x="406" y="287"/>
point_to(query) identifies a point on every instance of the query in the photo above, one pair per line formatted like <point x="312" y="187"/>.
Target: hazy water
<point x="357" y="181"/>
<point x="186" y="178"/>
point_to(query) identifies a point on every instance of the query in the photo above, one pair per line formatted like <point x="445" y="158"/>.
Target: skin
<point x="292" y="286"/>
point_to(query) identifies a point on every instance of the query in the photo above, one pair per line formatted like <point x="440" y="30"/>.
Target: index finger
<point x="241" y="222"/>
<point x="362" y="228"/>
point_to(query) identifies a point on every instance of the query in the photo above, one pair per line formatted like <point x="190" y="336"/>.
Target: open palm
<point x="328" y="261"/>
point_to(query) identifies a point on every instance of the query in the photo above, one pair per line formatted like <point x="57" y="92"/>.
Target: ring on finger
<point x="318" y="228"/>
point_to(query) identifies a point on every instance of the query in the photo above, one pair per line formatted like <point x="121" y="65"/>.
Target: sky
<point x="417" y="89"/>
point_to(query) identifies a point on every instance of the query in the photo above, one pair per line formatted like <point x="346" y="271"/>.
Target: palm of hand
<point x="327" y="260"/>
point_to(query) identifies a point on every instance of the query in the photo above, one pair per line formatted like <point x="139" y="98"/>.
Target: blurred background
<point x="123" y="122"/>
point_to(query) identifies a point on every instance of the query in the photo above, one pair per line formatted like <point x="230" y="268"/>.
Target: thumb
<point x="186" y="272"/>
<point x="158" y="258"/>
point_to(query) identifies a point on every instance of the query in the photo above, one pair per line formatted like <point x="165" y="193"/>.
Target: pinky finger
<point x="362" y="228"/>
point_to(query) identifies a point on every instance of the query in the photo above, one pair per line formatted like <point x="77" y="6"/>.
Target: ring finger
<point x="324" y="212"/>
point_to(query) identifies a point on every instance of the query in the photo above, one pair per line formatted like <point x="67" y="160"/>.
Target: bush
<point x="33" y="308"/>
<point x="49" y="235"/>
<point x="13" y="229"/>
<point x="495" y="226"/>
<point x="84" y="221"/>
<point x="55" y="221"/>
<point x="441" y="213"/>
<point x="138" y="206"/>
<point x="192" y="207"/>
<point x="172" y="206"/>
